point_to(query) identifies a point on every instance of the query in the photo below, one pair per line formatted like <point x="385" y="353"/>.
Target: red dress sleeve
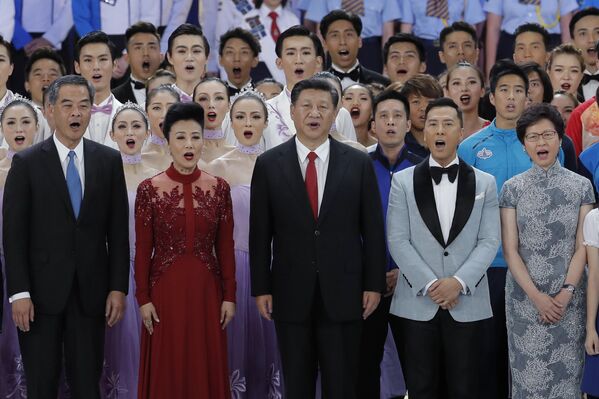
<point x="224" y="244"/>
<point x="144" y="241"/>
<point x="574" y="127"/>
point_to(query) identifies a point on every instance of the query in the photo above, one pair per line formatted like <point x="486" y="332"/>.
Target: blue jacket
<point x="384" y="174"/>
<point x="588" y="165"/>
<point x="499" y="153"/>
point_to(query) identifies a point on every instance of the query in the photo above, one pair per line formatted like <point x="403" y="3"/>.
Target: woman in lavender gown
<point x="19" y="124"/>
<point x="155" y="152"/>
<point x="254" y="364"/>
<point x="130" y="128"/>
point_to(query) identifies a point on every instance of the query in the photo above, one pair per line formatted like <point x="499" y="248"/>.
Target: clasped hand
<point x="445" y="292"/>
<point x="551" y="309"/>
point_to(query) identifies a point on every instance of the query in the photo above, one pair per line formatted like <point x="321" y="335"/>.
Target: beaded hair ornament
<point x="132" y="106"/>
<point x="249" y="93"/>
<point x="20" y="99"/>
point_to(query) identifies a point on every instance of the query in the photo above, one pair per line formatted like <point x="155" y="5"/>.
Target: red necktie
<point x="312" y="183"/>
<point x="274" y="28"/>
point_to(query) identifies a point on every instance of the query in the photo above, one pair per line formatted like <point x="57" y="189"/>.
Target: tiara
<point x="18" y="98"/>
<point x="248" y="92"/>
<point x="133" y="106"/>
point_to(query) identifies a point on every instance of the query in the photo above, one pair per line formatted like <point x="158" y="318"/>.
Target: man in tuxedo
<point x="66" y="247"/>
<point x="443" y="232"/>
<point x="341" y="33"/>
<point x="315" y="208"/>
<point x="144" y="58"/>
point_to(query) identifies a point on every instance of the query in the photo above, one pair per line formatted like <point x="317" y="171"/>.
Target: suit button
<point x="445" y="253"/>
<point x="316" y="233"/>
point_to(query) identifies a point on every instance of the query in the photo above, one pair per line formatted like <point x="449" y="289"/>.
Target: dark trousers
<point x="79" y="336"/>
<point x="319" y="343"/>
<point x="494" y="361"/>
<point x="439" y="356"/>
<point x="370" y="54"/>
<point x="374" y="334"/>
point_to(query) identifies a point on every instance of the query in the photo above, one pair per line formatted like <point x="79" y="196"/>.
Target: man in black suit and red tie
<point x="341" y="33"/>
<point x="315" y="212"/>
<point x="66" y="246"/>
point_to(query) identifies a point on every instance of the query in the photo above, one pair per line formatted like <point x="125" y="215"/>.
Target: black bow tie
<point x="587" y="78"/>
<point x="437" y="173"/>
<point x="353" y="74"/>
<point x="138" y="85"/>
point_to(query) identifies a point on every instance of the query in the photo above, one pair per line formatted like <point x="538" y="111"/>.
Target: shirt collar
<point x="587" y="72"/>
<point x="432" y="162"/>
<point x="7" y="97"/>
<point x="63" y="151"/>
<point x="108" y="99"/>
<point x="264" y="10"/>
<point x="356" y="64"/>
<point x="322" y="151"/>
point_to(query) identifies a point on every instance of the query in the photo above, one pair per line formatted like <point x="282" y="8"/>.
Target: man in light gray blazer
<point x="443" y="232"/>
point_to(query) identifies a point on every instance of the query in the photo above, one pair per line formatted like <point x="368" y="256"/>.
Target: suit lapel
<point x="130" y="93"/>
<point x="336" y="170"/>
<point x="291" y="168"/>
<point x="464" y="201"/>
<point x="54" y="170"/>
<point x="91" y="165"/>
<point x="425" y="199"/>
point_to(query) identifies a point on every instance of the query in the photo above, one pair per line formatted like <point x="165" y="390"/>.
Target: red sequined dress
<point x="185" y="266"/>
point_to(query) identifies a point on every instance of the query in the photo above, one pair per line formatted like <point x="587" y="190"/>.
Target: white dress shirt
<point x="445" y="196"/>
<point x="63" y="156"/>
<point x="140" y="94"/>
<point x="99" y="124"/>
<point x="590" y="88"/>
<point x="7" y="19"/>
<point x="321" y="163"/>
<point x="346" y="82"/>
<point x="54" y="18"/>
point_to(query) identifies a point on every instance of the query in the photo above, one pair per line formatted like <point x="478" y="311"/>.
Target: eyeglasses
<point x="547" y="135"/>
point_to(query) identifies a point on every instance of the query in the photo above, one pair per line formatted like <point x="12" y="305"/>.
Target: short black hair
<point x="182" y="112"/>
<point x="9" y="49"/>
<point x="390" y="94"/>
<point x="73" y="80"/>
<point x="591" y="11"/>
<point x="318" y="45"/>
<point x="269" y="81"/>
<point x="536" y="113"/>
<point x="458" y="26"/>
<point x="528" y="68"/>
<point x="96" y="36"/>
<point x="315" y="84"/>
<point x="44" y="53"/>
<point x="505" y="67"/>
<point x="296" y="30"/>
<point x="141" y="27"/>
<point x="444" y="102"/>
<point x="243" y="35"/>
<point x="188" y="29"/>
<point x="211" y="79"/>
<point x="422" y="85"/>
<point x="536" y="28"/>
<point x="404" y="38"/>
<point x="340" y="15"/>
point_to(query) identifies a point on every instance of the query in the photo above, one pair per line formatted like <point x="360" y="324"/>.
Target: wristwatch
<point x="569" y="287"/>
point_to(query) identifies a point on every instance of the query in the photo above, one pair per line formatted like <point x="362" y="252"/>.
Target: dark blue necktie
<point x="74" y="184"/>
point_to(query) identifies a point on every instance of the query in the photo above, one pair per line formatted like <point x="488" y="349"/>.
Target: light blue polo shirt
<point x="376" y="12"/>
<point x="414" y="12"/>
<point x="515" y="14"/>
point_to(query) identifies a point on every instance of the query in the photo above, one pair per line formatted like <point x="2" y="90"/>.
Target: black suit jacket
<point x="343" y="251"/>
<point x="46" y="248"/>
<point x="124" y="92"/>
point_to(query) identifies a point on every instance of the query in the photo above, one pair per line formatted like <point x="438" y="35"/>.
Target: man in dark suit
<point x="66" y="247"/>
<point x="144" y="58"/>
<point x="317" y="202"/>
<point x="341" y="33"/>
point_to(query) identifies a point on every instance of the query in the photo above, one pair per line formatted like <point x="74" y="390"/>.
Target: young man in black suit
<point x="66" y="246"/>
<point x="341" y="33"/>
<point x="143" y="55"/>
<point x="315" y="208"/>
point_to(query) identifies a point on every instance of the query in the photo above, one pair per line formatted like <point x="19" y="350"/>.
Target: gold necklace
<point x="542" y="21"/>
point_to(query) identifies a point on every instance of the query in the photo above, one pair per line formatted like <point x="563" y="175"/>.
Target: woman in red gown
<point x="184" y="270"/>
